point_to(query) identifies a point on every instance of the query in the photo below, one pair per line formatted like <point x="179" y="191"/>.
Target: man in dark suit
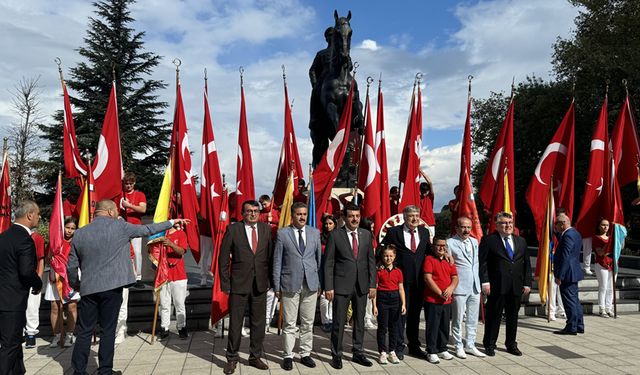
<point x="505" y="274"/>
<point x="567" y="272"/>
<point x="245" y="273"/>
<point x="349" y="276"/>
<point x="412" y="242"/>
<point x="17" y="276"/>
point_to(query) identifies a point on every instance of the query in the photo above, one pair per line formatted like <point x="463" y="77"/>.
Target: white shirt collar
<point x="28" y="229"/>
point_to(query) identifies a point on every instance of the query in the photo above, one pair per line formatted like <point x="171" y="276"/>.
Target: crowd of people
<point x="340" y="269"/>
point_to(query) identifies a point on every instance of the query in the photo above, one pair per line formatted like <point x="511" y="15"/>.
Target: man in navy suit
<point x="296" y="280"/>
<point x="567" y="271"/>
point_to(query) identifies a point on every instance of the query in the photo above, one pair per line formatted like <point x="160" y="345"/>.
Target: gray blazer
<point x="467" y="265"/>
<point x="101" y="250"/>
<point x="290" y="266"/>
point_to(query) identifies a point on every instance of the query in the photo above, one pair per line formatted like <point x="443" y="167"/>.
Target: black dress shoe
<point x="491" y="352"/>
<point x="360" y="359"/>
<point x="514" y="350"/>
<point x="565" y="332"/>
<point x="257" y="363"/>
<point x="287" y="364"/>
<point x="308" y="361"/>
<point x="336" y="363"/>
<point x="230" y="367"/>
<point x="400" y="355"/>
<point x="580" y="330"/>
<point x="417" y="352"/>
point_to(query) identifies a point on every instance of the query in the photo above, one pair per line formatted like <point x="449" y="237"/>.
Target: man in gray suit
<point x="466" y="297"/>
<point x="101" y="251"/>
<point x="349" y="276"/>
<point x="296" y="268"/>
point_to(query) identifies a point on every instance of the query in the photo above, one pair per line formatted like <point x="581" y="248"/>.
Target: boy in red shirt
<point x="175" y="289"/>
<point x="440" y="278"/>
<point x="133" y="205"/>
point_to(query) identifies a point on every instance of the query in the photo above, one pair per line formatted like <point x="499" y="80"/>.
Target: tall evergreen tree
<point x="114" y="50"/>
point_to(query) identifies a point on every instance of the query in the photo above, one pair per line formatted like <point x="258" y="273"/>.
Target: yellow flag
<point x="162" y="208"/>
<point x="507" y="198"/>
<point x="543" y="266"/>
<point x="84" y="206"/>
<point x="285" y="212"/>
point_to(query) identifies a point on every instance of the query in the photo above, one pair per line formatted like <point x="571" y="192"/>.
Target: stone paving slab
<point x="610" y="346"/>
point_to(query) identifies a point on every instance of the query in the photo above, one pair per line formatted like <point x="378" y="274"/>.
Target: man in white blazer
<point x="466" y="297"/>
<point x="296" y="277"/>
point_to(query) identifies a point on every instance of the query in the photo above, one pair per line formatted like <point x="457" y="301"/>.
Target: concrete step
<point x="623" y="281"/>
<point x="591" y="293"/>
<point x="624" y="306"/>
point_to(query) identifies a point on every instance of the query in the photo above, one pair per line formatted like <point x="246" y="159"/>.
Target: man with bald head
<point x="101" y="251"/>
<point x="567" y="272"/>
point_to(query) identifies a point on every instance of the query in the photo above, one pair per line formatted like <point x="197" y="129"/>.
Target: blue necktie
<point x="300" y="241"/>
<point x="507" y="245"/>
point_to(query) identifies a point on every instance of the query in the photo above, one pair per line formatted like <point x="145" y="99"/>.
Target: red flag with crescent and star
<point x="369" y="179"/>
<point x="466" y="200"/>
<point x="381" y="158"/>
<point x="219" y="300"/>
<point x="625" y="146"/>
<point x="500" y="168"/>
<point x="185" y="200"/>
<point x="107" y="167"/>
<point x="5" y="193"/>
<point x="327" y="169"/>
<point x="413" y="146"/>
<point x="557" y="162"/>
<point x="592" y="200"/>
<point x="245" y="189"/>
<point x="74" y="166"/>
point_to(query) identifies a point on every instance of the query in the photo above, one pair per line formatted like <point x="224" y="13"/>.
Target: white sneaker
<point x="120" y="337"/>
<point x="445" y="355"/>
<point x="369" y="325"/>
<point x="383" y="359"/>
<point x="552" y="318"/>
<point x="588" y="272"/>
<point x="245" y="332"/>
<point x="604" y="314"/>
<point x="433" y="358"/>
<point x="475" y="352"/>
<point x="56" y="341"/>
<point x="611" y="314"/>
<point x="393" y="358"/>
<point x="69" y="340"/>
<point x="461" y="354"/>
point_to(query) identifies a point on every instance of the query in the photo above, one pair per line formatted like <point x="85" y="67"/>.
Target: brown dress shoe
<point x="258" y="363"/>
<point x="230" y="367"/>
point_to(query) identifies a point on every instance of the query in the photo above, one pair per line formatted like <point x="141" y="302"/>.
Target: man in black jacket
<point x="505" y="274"/>
<point x="17" y="276"/>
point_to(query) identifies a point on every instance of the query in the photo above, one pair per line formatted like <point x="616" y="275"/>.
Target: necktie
<point x="507" y="245"/>
<point x="354" y="244"/>
<point x="414" y="247"/>
<point x="300" y="241"/>
<point x="254" y="239"/>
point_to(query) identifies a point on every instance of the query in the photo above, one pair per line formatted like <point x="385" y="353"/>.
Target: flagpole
<point x="550" y="279"/>
<point x="366" y="119"/>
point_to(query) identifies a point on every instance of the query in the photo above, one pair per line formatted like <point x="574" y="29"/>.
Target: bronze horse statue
<point x="331" y="79"/>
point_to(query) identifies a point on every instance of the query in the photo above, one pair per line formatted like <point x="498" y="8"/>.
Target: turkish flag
<point x="369" y="179"/>
<point x="74" y="166"/>
<point x="56" y="238"/>
<point x="210" y="178"/>
<point x="592" y="201"/>
<point x="5" y="194"/>
<point x="107" y="167"/>
<point x="289" y="158"/>
<point x="327" y="169"/>
<point x="186" y="202"/>
<point x="244" y="168"/>
<point x="500" y="168"/>
<point x="411" y="170"/>
<point x="162" y="270"/>
<point x="381" y="158"/>
<point x="219" y="300"/>
<point x="557" y="163"/>
<point x="624" y="142"/>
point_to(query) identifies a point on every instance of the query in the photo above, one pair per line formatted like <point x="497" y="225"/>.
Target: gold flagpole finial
<point x="284" y="75"/>
<point x="624" y="83"/>
<point x="513" y="86"/>
<point x="606" y="87"/>
<point x="469" y="78"/>
<point x="177" y="62"/>
<point x="205" y="75"/>
<point x="113" y="70"/>
<point x="241" y="70"/>
<point x="58" y="62"/>
<point x="5" y="145"/>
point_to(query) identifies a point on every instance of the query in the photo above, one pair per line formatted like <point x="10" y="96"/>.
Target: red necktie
<point x="354" y="244"/>
<point x="413" y="241"/>
<point x="254" y="239"/>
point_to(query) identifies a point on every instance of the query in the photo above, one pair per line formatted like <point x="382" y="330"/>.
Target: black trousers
<point x="510" y="304"/>
<point x="437" y="317"/>
<point x="100" y="307"/>
<point x="257" y="302"/>
<point x="11" y="356"/>
<point x="389" y="305"/>
<point x="414" y="298"/>
<point x="340" y="307"/>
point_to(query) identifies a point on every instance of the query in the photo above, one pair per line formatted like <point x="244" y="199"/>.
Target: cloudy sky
<point x="493" y="40"/>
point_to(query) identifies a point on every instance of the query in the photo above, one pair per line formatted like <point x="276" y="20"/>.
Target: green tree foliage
<point x="114" y="50"/>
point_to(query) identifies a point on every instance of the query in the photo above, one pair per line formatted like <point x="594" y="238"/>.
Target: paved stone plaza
<point x="609" y="346"/>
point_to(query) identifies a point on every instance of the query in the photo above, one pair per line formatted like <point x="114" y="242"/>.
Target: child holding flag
<point x="175" y="289"/>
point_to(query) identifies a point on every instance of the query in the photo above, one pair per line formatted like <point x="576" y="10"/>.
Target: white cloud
<point x="369" y="44"/>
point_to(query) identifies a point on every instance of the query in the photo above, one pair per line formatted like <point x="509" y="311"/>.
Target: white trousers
<point x="271" y="300"/>
<point x="605" y="288"/>
<point x="206" y="251"/>
<point x="137" y="251"/>
<point x="368" y="314"/>
<point x="326" y="310"/>
<point x="173" y="292"/>
<point x="303" y="303"/>
<point x="33" y="314"/>
<point x="469" y="303"/>
<point x="121" y="327"/>
<point x="587" y="248"/>
<point x="555" y="302"/>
